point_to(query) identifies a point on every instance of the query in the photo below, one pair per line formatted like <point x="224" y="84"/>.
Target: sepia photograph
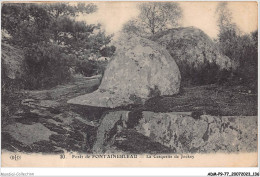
<point x="120" y="84"/>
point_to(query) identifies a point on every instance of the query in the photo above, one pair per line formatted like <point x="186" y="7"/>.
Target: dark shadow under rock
<point x="88" y="112"/>
<point x="131" y="141"/>
<point x="27" y="118"/>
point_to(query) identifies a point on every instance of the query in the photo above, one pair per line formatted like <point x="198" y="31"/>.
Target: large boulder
<point x="141" y="69"/>
<point x="192" y="46"/>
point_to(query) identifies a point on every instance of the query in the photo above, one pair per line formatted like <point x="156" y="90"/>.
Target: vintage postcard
<point x="129" y="84"/>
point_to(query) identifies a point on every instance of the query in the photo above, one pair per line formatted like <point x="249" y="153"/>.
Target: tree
<point x="52" y="40"/>
<point x="155" y="17"/>
<point x="224" y="21"/>
<point x="240" y="48"/>
<point x="25" y="23"/>
<point x="228" y="36"/>
<point x="65" y="9"/>
<point x="54" y="23"/>
<point x="228" y="31"/>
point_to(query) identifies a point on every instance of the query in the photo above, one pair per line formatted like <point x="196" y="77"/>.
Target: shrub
<point x="90" y="67"/>
<point x="9" y="95"/>
<point x="202" y="74"/>
<point x="108" y="51"/>
<point x="243" y="50"/>
<point x="46" y="65"/>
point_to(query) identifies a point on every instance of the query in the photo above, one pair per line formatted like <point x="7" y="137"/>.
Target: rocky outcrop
<point x="12" y="61"/>
<point x="75" y="88"/>
<point x="28" y="134"/>
<point x="206" y="134"/>
<point x="177" y="132"/>
<point x="112" y="123"/>
<point x="45" y="123"/>
<point x="141" y="69"/>
<point x="193" y="46"/>
<point x="45" y="130"/>
<point x="130" y="132"/>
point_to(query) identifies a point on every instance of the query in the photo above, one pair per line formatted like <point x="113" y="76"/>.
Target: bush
<point x="108" y="51"/>
<point x="89" y="68"/>
<point x="205" y="73"/>
<point x="46" y="65"/>
<point x="243" y="50"/>
<point x="9" y="95"/>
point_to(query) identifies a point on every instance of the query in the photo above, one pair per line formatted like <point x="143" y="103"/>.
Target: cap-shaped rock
<point x="140" y="69"/>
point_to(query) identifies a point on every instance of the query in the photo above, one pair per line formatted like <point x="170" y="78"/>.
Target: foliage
<point x="154" y="17"/>
<point x="108" y="51"/>
<point x="46" y="66"/>
<point x="90" y="68"/>
<point x="247" y="56"/>
<point x="53" y="40"/>
<point x="205" y="73"/>
<point x="240" y="48"/>
<point x="10" y="98"/>
<point x="64" y="9"/>
<point x="224" y="20"/>
<point x="26" y="23"/>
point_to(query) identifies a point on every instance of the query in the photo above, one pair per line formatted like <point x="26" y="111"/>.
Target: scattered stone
<point x="26" y="101"/>
<point x="63" y="92"/>
<point x="40" y="104"/>
<point x="29" y="103"/>
<point x="48" y="104"/>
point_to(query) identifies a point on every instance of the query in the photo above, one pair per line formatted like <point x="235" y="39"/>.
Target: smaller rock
<point x="109" y="128"/>
<point x="42" y="104"/>
<point x="28" y="134"/>
<point x="29" y="102"/>
<point x="48" y="104"/>
<point x="25" y="101"/>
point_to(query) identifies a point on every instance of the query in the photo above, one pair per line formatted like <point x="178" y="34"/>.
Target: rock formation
<point x="177" y="131"/>
<point x="141" y="69"/>
<point x="44" y="123"/>
<point x="192" y="45"/>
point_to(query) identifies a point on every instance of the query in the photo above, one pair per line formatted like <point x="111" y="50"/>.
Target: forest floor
<point x="62" y="127"/>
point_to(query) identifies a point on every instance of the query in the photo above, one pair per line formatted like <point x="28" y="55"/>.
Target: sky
<point x="113" y="15"/>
